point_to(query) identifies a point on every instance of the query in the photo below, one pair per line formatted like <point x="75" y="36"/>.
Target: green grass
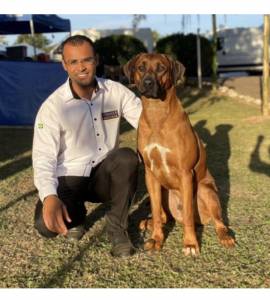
<point x="230" y="129"/>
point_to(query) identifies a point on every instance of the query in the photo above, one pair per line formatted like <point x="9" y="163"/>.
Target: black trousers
<point x="113" y="181"/>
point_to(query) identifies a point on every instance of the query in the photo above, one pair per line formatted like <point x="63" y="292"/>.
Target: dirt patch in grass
<point x="257" y="119"/>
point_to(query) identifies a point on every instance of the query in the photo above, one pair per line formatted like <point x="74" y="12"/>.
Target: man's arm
<point x="131" y="106"/>
<point x="46" y="145"/>
<point x="45" y="150"/>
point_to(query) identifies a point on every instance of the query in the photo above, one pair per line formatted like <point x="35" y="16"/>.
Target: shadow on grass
<point x="14" y="141"/>
<point x="218" y="150"/>
<point x="24" y="196"/>
<point x="256" y="164"/>
<point x="95" y="215"/>
<point x="15" y="167"/>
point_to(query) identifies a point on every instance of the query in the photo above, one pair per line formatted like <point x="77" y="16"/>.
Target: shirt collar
<point x="70" y="94"/>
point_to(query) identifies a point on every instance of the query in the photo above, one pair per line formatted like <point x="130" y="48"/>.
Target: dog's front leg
<point x="154" y="189"/>
<point x="191" y="246"/>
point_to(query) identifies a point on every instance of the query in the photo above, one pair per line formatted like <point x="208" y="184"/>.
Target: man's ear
<point x="64" y="65"/>
<point x="129" y="68"/>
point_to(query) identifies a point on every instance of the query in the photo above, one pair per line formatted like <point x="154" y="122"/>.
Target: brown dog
<point x="174" y="156"/>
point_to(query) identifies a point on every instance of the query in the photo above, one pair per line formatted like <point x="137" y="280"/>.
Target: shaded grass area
<point x="238" y="146"/>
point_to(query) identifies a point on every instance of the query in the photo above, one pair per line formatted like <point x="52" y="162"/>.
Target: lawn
<point x="237" y="141"/>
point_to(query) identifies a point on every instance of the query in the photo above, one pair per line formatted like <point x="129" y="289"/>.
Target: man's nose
<point x="81" y="65"/>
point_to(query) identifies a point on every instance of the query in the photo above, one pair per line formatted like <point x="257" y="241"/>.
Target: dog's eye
<point x="141" y="68"/>
<point x="161" y="68"/>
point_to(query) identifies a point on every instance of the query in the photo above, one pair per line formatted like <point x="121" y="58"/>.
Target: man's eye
<point x="89" y="60"/>
<point x="73" y="62"/>
<point x="141" y="68"/>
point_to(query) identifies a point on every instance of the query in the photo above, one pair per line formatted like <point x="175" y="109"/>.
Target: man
<point x="75" y="150"/>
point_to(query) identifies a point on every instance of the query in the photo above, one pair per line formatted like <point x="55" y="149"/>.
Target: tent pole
<point x="33" y="35"/>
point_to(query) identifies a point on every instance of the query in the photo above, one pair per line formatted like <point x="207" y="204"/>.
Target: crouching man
<point x="75" y="150"/>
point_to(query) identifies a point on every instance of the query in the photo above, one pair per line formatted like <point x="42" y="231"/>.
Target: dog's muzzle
<point x="150" y="88"/>
<point x="148" y="83"/>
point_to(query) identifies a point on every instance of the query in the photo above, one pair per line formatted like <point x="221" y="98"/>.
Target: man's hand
<point x="54" y="214"/>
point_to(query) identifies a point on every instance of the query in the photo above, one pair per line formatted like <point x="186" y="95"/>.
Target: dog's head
<point x="154" y="74"/>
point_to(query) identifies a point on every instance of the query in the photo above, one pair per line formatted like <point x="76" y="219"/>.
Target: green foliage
<point x="183" y="48"/>
<point x="118" y="49"/>
<point x="38" y="40"/>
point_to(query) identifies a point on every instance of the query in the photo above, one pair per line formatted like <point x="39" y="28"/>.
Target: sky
<point x="164" y="24"/>
<point x="163" y="16"/>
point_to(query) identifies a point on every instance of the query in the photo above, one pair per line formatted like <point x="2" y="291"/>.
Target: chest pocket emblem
<point x="110" y="115"/>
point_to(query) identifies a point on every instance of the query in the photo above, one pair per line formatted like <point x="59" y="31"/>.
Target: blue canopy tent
<point x="25" y="85"/>
<point x="26" y="24"/>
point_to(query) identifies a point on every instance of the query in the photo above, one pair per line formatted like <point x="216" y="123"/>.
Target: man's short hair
<point x="77" y="40"/>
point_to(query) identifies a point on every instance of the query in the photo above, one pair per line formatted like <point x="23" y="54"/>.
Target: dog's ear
<point x="129" y="68"/>
<point x="177" y="70"/>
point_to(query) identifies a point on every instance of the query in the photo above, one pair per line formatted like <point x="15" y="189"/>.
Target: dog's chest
<point x="156" y="157"/>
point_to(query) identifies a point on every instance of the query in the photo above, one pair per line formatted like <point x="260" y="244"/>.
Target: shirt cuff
<point x="46" y="191"/>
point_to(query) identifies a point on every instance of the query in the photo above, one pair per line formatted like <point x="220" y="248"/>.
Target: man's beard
<point x="88" y="83"/>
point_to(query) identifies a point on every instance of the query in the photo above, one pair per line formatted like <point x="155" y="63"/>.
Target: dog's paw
<point x="153" y="245"/>
<point x="190" y="250"/>
<point x="225" y="239"/>
<point x="146" y="224"/>
<point x="228" y="242"/>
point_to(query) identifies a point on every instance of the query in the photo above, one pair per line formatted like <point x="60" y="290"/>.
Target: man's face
<point x="80" y="63"/>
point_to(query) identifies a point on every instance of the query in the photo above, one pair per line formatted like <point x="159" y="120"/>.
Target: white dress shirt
<point x="71" y="136"/>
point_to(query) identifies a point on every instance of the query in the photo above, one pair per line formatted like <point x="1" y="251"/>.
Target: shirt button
<point x="95" y="119"/>
<point x="97" y="134"/>
<point x="93" y="161"/>
<point x="99" y="149"/>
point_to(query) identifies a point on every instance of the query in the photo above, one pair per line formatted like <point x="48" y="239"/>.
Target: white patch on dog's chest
<point x="162" y="151"/>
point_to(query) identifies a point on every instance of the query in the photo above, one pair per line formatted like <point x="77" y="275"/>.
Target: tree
<point x="266" y="82"/>
<point x="137" y="19"/>
<point x="184" y="48"/>
<point x="116" y="50"/>
<point x="38" y="40"/>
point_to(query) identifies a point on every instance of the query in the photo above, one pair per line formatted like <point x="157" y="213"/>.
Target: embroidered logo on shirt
<point x="110" y="115"/>
<point x="40" y="125"/>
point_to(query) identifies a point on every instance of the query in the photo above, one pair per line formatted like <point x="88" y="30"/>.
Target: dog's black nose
<point x="148" y="83"/>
